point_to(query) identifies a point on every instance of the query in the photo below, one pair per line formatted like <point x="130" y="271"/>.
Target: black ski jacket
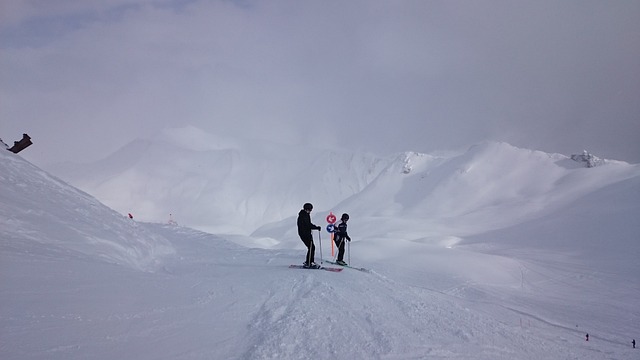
<point x="341" y="232"/>
<point x="304" y="225"/>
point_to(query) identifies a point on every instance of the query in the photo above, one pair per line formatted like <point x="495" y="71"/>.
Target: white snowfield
<point x="497" y="253"/>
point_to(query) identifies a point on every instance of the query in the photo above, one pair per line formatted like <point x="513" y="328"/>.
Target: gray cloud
<point x="387" y="76"/>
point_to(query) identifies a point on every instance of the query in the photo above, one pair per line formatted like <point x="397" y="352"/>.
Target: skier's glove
<point x="348" y="238"/>
<point x="318" y="228"/>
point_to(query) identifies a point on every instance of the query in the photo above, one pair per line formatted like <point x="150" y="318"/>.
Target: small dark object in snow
<point x="21" y="145"/>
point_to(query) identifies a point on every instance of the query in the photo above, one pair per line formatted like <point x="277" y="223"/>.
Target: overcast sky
<point x="84" y="77"/>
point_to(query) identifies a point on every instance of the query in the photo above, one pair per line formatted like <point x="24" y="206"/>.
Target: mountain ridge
<point x="246" y="187"/>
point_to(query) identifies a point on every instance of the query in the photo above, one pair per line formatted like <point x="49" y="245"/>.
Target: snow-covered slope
<point x="38" y="207"/>
<point x="444" y="199"/>
<point x="586" y="252"/>
<point x="565" y="266"/>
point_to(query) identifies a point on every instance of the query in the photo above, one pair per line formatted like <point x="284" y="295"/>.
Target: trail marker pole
<point x="331" y="219"/>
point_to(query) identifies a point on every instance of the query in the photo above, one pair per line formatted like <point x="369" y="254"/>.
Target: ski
<point x="332" y="269"/>
<point x="349" y="266"/>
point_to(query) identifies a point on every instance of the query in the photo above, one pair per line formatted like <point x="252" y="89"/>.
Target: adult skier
<point x="341" y="237"/>
<point x="305" y="226"/>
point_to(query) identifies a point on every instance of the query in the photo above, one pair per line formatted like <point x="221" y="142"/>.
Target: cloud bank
<point x="371" y="75"/>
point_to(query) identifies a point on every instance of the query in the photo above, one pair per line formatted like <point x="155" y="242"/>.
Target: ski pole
<point x="320" y="240"/>
<point x="349" y="251"/>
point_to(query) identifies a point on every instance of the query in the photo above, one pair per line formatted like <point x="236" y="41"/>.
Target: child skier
<point x="340" y="237"/>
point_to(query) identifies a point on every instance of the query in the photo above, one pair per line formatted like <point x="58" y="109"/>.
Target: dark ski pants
<point x="311" y="248"/>
<point x="340" y="244"/>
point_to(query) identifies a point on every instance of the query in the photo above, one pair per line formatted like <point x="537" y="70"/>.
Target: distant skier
<point x="587" y="337"/>
<point x="633" y="342"/>
<point x="304" y="231"/>
<point x="341" y="237"/>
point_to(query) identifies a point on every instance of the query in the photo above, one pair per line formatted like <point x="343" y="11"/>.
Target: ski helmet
<point x="344" y="216"/>
<point x="308" y="207"/>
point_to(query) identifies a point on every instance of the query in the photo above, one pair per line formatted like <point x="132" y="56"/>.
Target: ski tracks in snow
<point x="319" y="315"/>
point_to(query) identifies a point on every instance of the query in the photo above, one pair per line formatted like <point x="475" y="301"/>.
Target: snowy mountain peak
<point x="414" y="161"/>
<point x="589" y="160"/>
